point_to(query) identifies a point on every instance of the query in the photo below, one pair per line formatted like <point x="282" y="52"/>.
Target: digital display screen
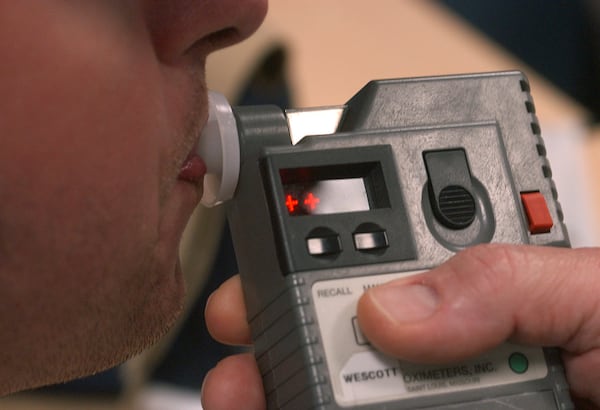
<point x="329" y="196"/>
<point x="333" y="189"/>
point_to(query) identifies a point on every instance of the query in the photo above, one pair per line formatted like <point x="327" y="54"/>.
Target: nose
<point x="178" y="27"/>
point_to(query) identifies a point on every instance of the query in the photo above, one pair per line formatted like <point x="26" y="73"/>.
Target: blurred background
<point x="315" y="53"/>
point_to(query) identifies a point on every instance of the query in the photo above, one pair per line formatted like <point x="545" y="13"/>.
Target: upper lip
<point x="195" y="117"/>
<point x="193" y="168"/>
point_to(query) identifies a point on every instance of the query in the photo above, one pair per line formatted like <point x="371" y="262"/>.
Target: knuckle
<point x="486" y="269"/>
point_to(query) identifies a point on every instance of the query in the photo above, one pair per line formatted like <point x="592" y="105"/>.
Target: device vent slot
<point x="554" y="191"/>
<point x="530" y="107"/>
<point x="541" y="149"/>
<point x="539" y="145"/>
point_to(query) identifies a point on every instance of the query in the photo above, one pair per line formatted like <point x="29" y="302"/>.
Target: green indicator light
<point x="518" y="363"/>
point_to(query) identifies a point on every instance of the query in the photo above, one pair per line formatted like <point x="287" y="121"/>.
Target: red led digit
<point x="311" y="201"/>
<point x="291" y="203"/>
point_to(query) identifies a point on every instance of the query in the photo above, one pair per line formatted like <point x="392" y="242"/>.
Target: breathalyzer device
<point x="324" y="203"/>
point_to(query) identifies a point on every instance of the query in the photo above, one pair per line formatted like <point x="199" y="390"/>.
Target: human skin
<point x="478" y="299"/>
<point x="101" y="103"/>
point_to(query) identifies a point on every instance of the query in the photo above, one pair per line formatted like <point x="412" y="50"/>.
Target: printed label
<point x="361" y="375"/>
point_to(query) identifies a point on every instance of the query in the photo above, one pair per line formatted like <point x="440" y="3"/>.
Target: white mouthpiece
<point x="219" y="147"/>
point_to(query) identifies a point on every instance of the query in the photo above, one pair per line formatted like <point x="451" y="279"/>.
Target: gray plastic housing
<point x="491" y="117"/>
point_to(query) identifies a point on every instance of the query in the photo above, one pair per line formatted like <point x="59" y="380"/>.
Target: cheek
<point x="85" y="153"/>
<point x="81" y="158"/>
<point x="85" y="137"/>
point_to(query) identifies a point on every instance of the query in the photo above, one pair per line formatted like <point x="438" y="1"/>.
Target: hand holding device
<point x="393" y="183"/>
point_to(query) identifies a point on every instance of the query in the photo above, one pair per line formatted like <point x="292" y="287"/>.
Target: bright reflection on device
<point x="328" y="196"/>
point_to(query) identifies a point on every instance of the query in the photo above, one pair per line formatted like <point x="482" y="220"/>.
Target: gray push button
<point x="359" y="337"/>
<point x="324" y="245"/>
<point x="367" y="241"/>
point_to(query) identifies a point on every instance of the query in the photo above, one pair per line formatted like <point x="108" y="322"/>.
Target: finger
<point x="233" y="384"/>
<point x="225" y="314"/>
<point x="583" y="404"/>
<point x="483" y="296"/>
<point x="583" y="373"/>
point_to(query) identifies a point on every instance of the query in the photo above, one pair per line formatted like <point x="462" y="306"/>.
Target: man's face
<point x="101" y="102"/>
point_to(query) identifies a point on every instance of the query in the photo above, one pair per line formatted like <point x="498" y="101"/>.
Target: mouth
<point x="193" y="169"/>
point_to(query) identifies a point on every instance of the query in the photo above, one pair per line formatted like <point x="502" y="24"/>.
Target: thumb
<point x="486" y="295"/>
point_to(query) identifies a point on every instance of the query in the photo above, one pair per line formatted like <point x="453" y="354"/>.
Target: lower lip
<point x="193" y="169"/>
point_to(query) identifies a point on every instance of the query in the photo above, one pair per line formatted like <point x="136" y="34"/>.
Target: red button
<point x="536" y="209"/>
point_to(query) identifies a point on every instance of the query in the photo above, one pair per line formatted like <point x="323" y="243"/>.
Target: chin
<point x="158" y="310"/>
<point x="142" y="323"/>
<point x="89" y="325"/>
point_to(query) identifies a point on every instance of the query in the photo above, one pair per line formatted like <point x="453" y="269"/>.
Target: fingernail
<point x="405" y="303"/>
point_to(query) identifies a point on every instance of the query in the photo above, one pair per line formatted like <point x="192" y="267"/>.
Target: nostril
<point x="197" y="28"/>
<point x="219" y="39"/>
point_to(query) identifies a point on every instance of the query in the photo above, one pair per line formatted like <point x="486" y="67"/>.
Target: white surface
<point x="219" y="147"/>
<point x="565" y="145"/>
<point x="164" y="397"/>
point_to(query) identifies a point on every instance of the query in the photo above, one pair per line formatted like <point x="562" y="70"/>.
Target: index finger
<point x="225" y="314"/>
